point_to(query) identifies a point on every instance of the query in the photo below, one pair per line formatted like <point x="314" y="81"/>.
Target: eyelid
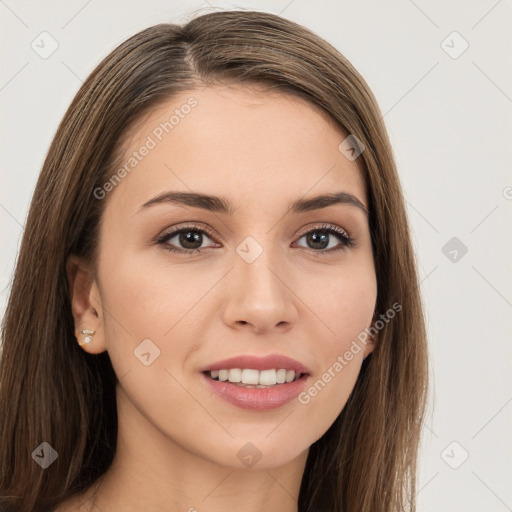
<point x="346" y="242"/>
<point x="324" y="226"/>
<point x="191" y="225"/>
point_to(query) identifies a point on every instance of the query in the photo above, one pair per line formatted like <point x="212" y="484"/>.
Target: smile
<point x="255" y="382"/>
<point x="254" y="378"/>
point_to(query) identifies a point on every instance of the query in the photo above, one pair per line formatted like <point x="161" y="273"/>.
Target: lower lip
<point x="259" y="399"/>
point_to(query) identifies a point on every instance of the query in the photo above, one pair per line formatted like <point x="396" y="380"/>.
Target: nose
<point x="260" y="297"/>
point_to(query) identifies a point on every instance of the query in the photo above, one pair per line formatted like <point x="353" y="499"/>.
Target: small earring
<point x="87" y="336"/>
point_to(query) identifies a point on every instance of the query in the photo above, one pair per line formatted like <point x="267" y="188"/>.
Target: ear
<point x="86" y="304"/>
<point x="372" y="339"/>
<point x="370" y="345"/>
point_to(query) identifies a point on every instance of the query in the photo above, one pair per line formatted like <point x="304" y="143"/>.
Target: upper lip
<point x="268" y="362"/>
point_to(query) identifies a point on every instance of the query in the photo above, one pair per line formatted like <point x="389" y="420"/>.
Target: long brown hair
<point x="52" y="391"/>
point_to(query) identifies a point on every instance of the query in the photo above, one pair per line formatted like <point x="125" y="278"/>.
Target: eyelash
<point x="346" y="240"/>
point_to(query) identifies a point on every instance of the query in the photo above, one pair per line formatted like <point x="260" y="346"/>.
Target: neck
<point x="152" y="472"/>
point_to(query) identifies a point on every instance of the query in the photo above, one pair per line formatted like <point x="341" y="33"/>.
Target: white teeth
<point x="281" y="376"/>
<point x="290" y="375"/>
<point x="268" y="377"/>
<point x="235" y="375"/>
<point x="252" y="377"/>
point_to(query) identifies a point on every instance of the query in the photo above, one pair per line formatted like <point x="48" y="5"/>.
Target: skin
<point x="177" y="441"/>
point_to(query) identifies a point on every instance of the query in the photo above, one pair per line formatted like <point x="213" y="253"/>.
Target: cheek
<point x="147" y="298"/>
<point x="342" y="308"/>
<point x="141" y="300"/>
<point x="342" y="301"/>
<point x="147" y="293"/>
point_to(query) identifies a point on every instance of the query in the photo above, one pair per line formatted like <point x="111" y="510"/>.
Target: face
<point x="180" y="286"/>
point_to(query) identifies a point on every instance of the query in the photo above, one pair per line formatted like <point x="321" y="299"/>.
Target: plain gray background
<point x="448" y="112"/>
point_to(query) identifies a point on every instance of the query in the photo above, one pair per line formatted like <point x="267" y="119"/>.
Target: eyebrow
<point x="223" y="206"/>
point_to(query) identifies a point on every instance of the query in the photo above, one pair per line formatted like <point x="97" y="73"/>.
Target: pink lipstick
<point x="258" y="383"/>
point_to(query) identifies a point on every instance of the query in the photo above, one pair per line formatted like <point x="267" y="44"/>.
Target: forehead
<point x="237" y="140"/>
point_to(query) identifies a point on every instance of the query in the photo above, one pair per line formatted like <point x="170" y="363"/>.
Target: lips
<point x="272" y="361"/>
<point x="257" y="397"/>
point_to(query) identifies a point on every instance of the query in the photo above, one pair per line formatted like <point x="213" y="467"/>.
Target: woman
<point x="216" y="301"/>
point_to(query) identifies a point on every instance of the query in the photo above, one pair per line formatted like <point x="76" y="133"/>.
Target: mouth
<point x="255" y="382"/>
<point x="252" y="378"/>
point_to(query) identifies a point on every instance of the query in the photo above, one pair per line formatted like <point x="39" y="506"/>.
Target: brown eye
<point x="189" y="239"/>
<point x="320" y="239"/>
